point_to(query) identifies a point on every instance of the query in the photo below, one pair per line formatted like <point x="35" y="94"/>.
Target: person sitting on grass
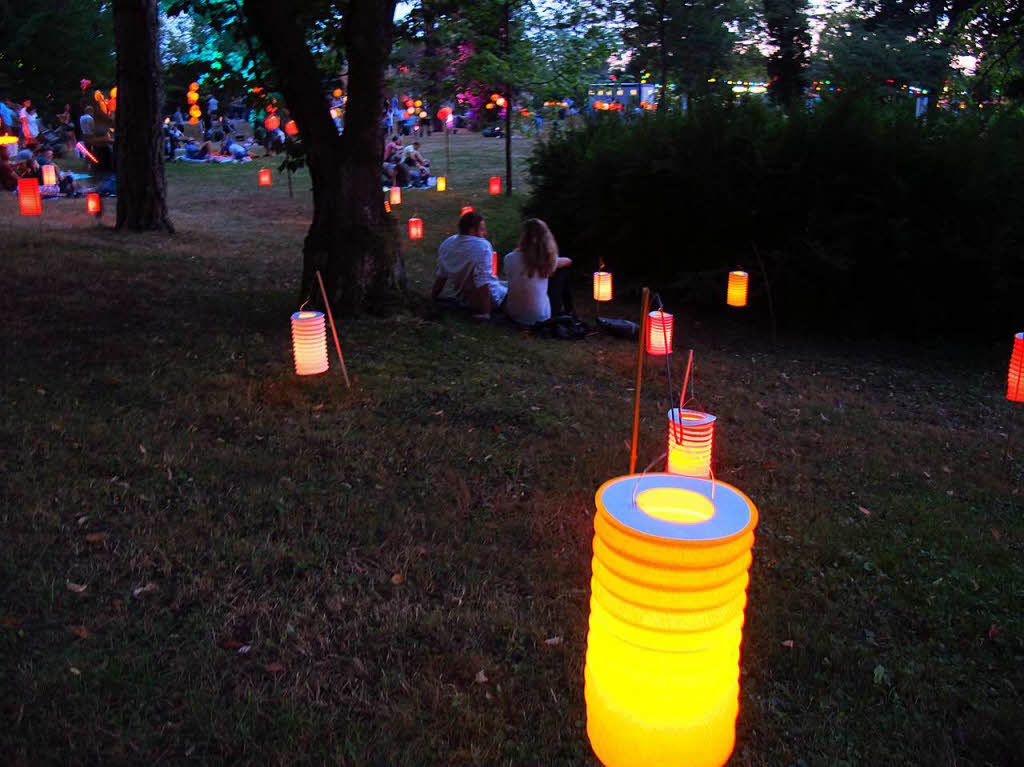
<point x="196" y="151"/>
<point x="538" y="278"/>
<point x="419" y="168"/>
<point x="231" y="148"/>
<point x="464" y="262"/>
<point x="8" y="178"/>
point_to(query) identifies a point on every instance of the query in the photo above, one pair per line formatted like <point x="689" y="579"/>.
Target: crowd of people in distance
<point x="214" y="142"/>
<point x="34" y="147"/>
<point x="404" y="165"/>
<point x="537" y="287"/>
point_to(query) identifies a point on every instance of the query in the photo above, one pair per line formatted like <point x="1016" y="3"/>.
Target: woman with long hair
<point x="537" y="276"/>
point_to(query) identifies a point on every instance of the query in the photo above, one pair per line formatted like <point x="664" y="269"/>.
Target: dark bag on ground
<point x="563" y="326"/>
<point x="618" y="328"/>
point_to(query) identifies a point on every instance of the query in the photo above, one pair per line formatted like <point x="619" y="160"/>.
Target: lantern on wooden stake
<point x="415" y="228"/>
<point x="736" y="295"/>
<point x="466" y="209"/>
<point x="93" y="206"/>
<point x="265" y="177"/>
<point x="1015" y="379"/>
<point x="309" y="343"/>
<point x="494" y="186"/>
<point x="49" y="175"/>
<point x="442" y="183"/>
<point x="659" y="333"/>
<point x="29" y="201"/>
<point x="395" y="195"/>
<point x="691" y="434"/>
<point x="668" y="592"/>
<point x="602" y="286"/>
<point x="273" y="122"/>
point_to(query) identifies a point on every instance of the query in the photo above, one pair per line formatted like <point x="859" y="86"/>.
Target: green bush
<point x="865" y="218"/>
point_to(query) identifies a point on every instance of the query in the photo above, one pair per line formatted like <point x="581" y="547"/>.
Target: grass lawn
<point x="205" y="559"/>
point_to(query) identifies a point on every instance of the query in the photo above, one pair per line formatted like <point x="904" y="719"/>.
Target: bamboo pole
<point x="334" y="332"/>
<point x="645" y="304"/>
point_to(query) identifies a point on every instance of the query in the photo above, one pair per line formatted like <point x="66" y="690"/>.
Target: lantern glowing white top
<point x="1015" y="379"/>
<point x="49" y="173"/>
<point x="668" y="592"/>
<point x="659" y="333"/>
<point x="736" y="294"/>
<point x="395" y="195"/>
<point x="602" y="286"/>
<point x="309" y="343"/>
<point x="691" y="435"/>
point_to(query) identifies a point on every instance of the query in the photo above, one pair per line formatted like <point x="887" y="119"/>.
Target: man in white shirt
<point x="465" y="260"/>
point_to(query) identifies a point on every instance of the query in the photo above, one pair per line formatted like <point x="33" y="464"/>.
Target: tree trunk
<point x="351" y="240"/>
<point x="141" y="186"/>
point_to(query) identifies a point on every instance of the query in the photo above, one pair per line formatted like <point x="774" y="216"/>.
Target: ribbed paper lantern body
<point x="291" y="128"/>
<point x="265" y="177"/>
<point x="273" y="122"/>
<point x="442" y="183"/>
<point x="395" y="195"/>
<point x="602" y="286"/>
<point x="668" y="592"/>
<point x="309" y="343"/>
<point x="1015" y="380"/>
<point x="29" y="201"/>
<point x="465" y="210"/>
<point x="415" y="228"/>
<point x="690" y="437"/>
<point x="736" y="295"/>
<point x="49" y="175"/>
<point x="92" y="203"/>
<point x="659" y="333"/>
<point x="494" y="263"/>
<point x="495" y="185"/>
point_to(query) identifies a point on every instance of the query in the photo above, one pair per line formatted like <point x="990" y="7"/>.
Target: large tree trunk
<point x="141" y="187"/>
<point x="351" y="240"/>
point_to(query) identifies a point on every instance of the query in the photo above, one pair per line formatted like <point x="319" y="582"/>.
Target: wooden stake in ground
<point x="645" y="305"/>
<point x="334" y="332"/>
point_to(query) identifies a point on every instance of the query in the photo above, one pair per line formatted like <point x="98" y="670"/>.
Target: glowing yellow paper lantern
<point x="1015" y="379"/>
<point x="309" y="343"/>
<point x="659" y="333"/>
<point x="691" y="434"/>
<point x="736" y="294"/>
<point x="668" y="592"/>
<point x="602" y="286"/>
<point x="195" y="111"/>
<point x="395" y="195"/>
<point x="49" y="175"/>
<point x="442" y="183"/>
<point x="192" y="97"/>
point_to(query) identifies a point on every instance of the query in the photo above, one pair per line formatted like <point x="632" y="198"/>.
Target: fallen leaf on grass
<point x="78" y="588"/>
<point x="79" y="631"/>
<point x="552" y="641"/>
<point x="993" y="631"/>
<point x="398" y="579"/>
<point x="481" y="677"/>
<point x="75" y="671"/>
<point x="96" y="537"/>
<point x="274" y="668"/>
<point x="865" y="512"/>
<point x="788" y="643"/>
<point x="147" y="589"/>
<point x="995" y="533"/>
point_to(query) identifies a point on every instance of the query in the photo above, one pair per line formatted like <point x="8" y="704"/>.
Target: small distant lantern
<point x="489" y="105"/>
<point x="1015" y="380"/>
<point x="659" y="333"/>
<point x="93" y="206"/>
<point x="670" y="573"/>
<point x="415" y="228"/>
<point x="494" y="263"/>
<point x="737" y="291"/>
<point x="442" y="183"/>
<point x="395" y="195"/>
<point x="465" y="210"/>
<point x="691" y="435"/>
<point x="417" y="103"/>
<point x="273" y="122"/>
<point x="29" y="201"/>
<point x="49" y="175"/>
<point x="337" y="93"/>
<point x="193" y="87"/>
<point x="423" y="115"/>
<point x="387" y="206"/>
<point x="191" y="97"/>
<point x="494" y="186"/>
<point x="291" y="128"/>
<point x="193" y="121"/>
<point x="309" y="343"/>
<point x="602" y="286"/>
<point x="265" y="177"/>
<point x="494" y="97"/>
<point x="335" y="113"/>
<point x="194" y="111"/>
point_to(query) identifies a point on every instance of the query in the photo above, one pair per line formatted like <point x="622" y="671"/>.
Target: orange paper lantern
<point x="193" y="87"/>
<point x="1015" y="380"/>
<point x="659" y="333"/>
<point x="29" y="201"/>
<point x="291" y="128"/>
<point x="690" y="437"/>
<point x="93" y="206"/>
<point x="194" y="111"/>
<point x="265" y="177"/>
<point x="193" y="121"/>
<point x="602" y="286"/>
<point x="442" y="183"/>
<point x="309" y="343"/>
<point x="191" y="97"/>
<point x="736" y="295"/>
<point x="494" y="263"/>
<point x="335" y="113"/>
<point x="466" y="209"/>
<point x="337" y="93"/>
<point x="494" y="186"/>
<point x="415" y="228"/>
<point x="668" y="593"/>
<point x="387" y="206"/>
<point x="395" y="195"/>
<point x="49" y="173"/>
<point x="273" y="122"/>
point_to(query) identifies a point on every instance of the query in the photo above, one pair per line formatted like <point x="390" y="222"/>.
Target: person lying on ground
<point x="535" y="271"/>
<point x="464" y="263"/>
<point x="196" y="151"/>
<point x="234" y="149"/>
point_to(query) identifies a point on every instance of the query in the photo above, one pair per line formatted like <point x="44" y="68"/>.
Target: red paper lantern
<point x="690" y="437"/>
<point x="337" y="93"/>
<point x="291" y="128"/>
<point x="1015" y="380"/>
<point x="92" y="204"/>
<point x="265" y="177"/>
<point x="415" y="228"/>
<point x="465" y="210"/>
<point x="29" y="201"/>
<point x="494" y="263"/>
<point x="309" y="343"/>
<point x="602" y="286"/>
<point x="659" y="333"/>
<point x="273" y="122"/>
<point x="49" y="175"/>
<point x="495" y="185"/>
<point x="736" y="295"/>
<point x="396" y="195"/>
